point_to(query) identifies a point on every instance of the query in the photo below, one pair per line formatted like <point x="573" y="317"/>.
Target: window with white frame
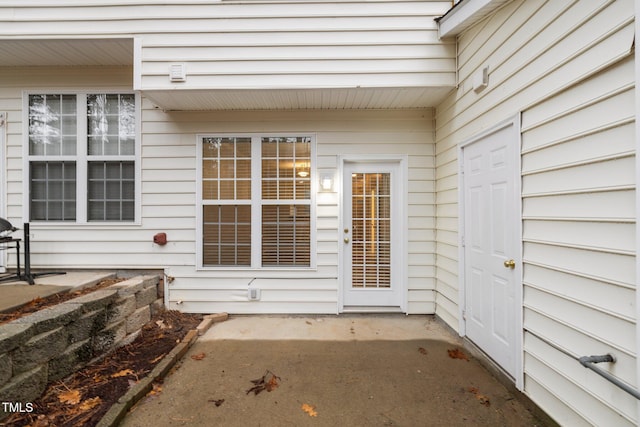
<point x="82" y="157"/>
<point x="256" y="201"/>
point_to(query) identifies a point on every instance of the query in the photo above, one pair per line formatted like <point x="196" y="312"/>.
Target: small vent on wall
<point x="481" y="79"/>
<point x="177" y="73"/>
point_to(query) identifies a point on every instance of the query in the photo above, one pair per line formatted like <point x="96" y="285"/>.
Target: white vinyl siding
<point x="580" y="265"/>
<point x="389" y="45"/>
<point x="168" y="200"/>
<point x="568" y="67"/>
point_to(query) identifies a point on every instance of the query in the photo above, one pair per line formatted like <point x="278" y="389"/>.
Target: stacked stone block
<point x="53" y="343"/>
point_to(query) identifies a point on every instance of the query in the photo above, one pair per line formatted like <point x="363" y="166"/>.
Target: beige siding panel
<point x="617" y="173"/>
<point x="615" y="80"/>
<point x="611" y="329"/>
<point x="586" y="147"/>
<point x="551" y="404"/>
<point x="599" y="236"/>
<point x="568" y="68"/>
<point x="263" y="44"/>
<point x="169" y="202"/>
<point x="611" y="109"/>
<point x="603" y="404"/>
<point x="594" y="412"/>
<point x="602" y="205"/>
<point x="613" y="298"/>
<point x="605" y="266"/>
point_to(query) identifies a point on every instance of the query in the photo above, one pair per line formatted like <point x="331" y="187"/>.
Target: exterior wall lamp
<point x="326" y="182"/>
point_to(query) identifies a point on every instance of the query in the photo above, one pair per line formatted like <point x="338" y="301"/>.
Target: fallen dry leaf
<point x="71" y="397"/>
<point x="422" y="350"/>
<point x="311" y="410"/>
<point x="34" y="302"/>
<point x="157" y="389"/>
<point x="90" y="403"/>
<point x="484" y="400"/>
<point x="123" y="373"/>
<point x="153" y="361"/>
<point x="262" y="383"/>
<point x="198" y="356"/>
<point x="456" y="353"/>
<point x="161" y="324"/>
<point x="217" y="402"/>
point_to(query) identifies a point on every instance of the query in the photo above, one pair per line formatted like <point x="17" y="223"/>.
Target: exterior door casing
<point x="490" y="245"/>
<point x="394" y="297"/>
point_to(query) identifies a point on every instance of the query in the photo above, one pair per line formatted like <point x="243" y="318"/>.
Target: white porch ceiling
<point x="119" y="52"/>
<point x="294" y="99"/>
<point x="65" y="53"/>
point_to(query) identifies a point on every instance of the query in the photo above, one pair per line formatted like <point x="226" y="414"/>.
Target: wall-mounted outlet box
<point x="253" y="294"/>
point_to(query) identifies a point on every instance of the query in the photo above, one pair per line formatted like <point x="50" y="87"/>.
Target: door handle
<point x="346" y="240"/>
<point x="510" y="264"/>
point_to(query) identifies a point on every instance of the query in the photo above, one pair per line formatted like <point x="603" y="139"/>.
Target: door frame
<point x="402" y="161"/>
<point x="515" y="124"/>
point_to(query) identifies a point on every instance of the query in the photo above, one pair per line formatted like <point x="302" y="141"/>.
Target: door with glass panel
<point x="371" y="235"/>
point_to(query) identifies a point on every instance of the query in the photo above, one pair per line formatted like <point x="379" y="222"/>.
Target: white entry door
<point x="372" y="236"/>
<point x="492" y="298"/>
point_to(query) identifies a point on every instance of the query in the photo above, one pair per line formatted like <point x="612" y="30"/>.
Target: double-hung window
<point x="256" y="201"/>
<point x="82" y="157"/>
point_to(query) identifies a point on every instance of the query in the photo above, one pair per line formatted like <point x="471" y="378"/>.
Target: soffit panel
<point x="66" y="53"/>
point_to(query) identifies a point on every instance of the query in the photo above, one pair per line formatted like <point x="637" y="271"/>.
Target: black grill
<point x="9" y="242"/>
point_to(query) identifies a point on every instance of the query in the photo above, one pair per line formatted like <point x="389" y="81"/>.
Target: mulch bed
<point x="83" y="398"/>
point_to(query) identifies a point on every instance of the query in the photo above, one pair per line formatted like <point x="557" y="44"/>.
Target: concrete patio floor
<point x="347" y="370"/>
<point x="14" y="294"/>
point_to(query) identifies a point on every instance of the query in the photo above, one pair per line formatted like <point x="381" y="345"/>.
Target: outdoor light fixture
<point x="326" y="182"/>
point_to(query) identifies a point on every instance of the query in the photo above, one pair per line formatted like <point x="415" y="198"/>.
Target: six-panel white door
<point x="491" y="245"/>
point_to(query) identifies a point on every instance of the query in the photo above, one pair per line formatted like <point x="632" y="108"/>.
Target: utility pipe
<point x="589" y="362"/>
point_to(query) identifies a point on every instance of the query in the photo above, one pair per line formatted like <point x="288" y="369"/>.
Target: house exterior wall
<point x="257" y="45"/>
<point x="568" y="68"/>
<point x="168" y="197"/>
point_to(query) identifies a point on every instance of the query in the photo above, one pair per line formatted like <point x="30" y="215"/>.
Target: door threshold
<point x="370" y="309"/>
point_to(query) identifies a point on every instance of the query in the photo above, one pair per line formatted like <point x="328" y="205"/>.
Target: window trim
<point x="256" y="203"/>
<point x="81" y="157"/>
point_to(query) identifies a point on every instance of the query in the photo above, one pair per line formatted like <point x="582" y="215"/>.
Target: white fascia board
<point x="463" y="14"/>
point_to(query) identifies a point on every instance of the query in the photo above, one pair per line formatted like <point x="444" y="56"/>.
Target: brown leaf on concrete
<point x="217" y="402"/>
<point x="456" y="353"/>
<point x="198" y="356"/>
<point x="311" y="410"/>
<point x="484" y="400"/>
<point x="422" y="350"/>
<point x="269" y="382"/>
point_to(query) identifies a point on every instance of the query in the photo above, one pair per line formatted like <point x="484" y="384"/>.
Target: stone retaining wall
<point x="53" y="343"/>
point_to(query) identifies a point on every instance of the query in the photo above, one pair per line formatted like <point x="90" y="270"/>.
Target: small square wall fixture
<point x="481" y="79"/>
<point x="177" y="73"/>
<point x="326" y="182"/>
